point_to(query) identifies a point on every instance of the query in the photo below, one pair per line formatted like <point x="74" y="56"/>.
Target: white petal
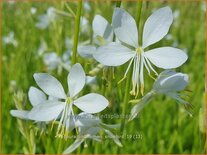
<point x="46" y="112"/>
<point x="86" y="51"/>
<point x="76" y="79"/>
<point x="166" y="57"/>
<point x="93" y="131"/>
<point x="50" y="85"/>
<point x="114" y="137"/>
<point x="102" y="28"/>
<point x="87" y="120"/>
<point x="88" y="132"/>
<point x="140" y="105"/>
<point x="164" y="74"/>
<point x="52" y="98"/>
<point x="91" y="103"/>
<point x="170" y="81"/>
<point x="36" y="96"/>
<point x="90" y="79"/>
<point x="125" y="27"/>
<point x="74" y="146"/>
<point x="157" y="26"/>
<point x="23" y="114"/>
<point x="113" y="54"/>
<point x="70" y="123"/>
<point x="51" y="60"/>
<point x="175" y="82"/>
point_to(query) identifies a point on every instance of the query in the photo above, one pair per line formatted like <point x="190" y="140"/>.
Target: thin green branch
<point x="139" y="9"/>
<point x="77" y="29"/>
<point x="70" y="10"/>
<point x="118" y="3"/>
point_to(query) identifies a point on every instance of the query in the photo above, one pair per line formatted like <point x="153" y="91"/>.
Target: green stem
<point x="77" y="29"/>
<point x="139" y="9"/>
<point x="118" y="3"/>
<point x="126" y="99"/>
<point x="60" y="145"/>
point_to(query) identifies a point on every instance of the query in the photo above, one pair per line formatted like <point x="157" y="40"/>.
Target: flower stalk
<point x="77" y="29"/>
<point x="139" y="8"/>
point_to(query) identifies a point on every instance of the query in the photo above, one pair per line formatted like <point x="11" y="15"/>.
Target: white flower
<point x="203" y="6"/>
<point x="33" y="10"/>
<point x="87" y="7"/>
<point x="84" y="25"/>
<point x="155" y="28"/>
<point x="51" y="60"/>
<point x="51" y="110"/>
<point x="89" y="126"/>
<point x="42" y="47"/>
<point x="46" y="19"/>
<point x="10" y="39"/>
<point x="176" y="14"/>
<point x="170" y="83"/>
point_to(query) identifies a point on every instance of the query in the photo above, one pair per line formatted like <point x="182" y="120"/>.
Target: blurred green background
<point x="162" y="127"/>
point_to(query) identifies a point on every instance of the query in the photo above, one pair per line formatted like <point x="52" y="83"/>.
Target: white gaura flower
<point x="89" y="126"/>
<point x="155" y="28"/>
<point x="53" y="61"/>
<point x="169" y="83"/>
<point x="10" y="40"/>
<point x="62" y="108"/>
<point x="42" y="47"/>
<point x="46" y="19"/>
<point x="84" y="24"/>
<point x="33" y="10"/>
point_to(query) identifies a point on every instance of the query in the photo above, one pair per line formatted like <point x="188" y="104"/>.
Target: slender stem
<point x="118" y="3"/>
<point x="77" y="29"/>
<point x="126" y="98"/>
<point x="70" y="10"/>
<point x="63" y="13"/>
<point x="139" y="9"/>
<point x="60" y="145"/>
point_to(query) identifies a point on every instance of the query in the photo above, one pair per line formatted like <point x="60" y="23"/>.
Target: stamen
<point x="129" y="66"/>
<point x="122" y="80"/>
<point x="62" y="131"/>
<point x="125" y="74"/>
<point x="138" y="74"/>
<point x="148" y="62"/>
<point x="132" y="92"/>
<point x="61" y="119"/>
<point x="145" y="64"/>
<point x="142" y="76"/>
